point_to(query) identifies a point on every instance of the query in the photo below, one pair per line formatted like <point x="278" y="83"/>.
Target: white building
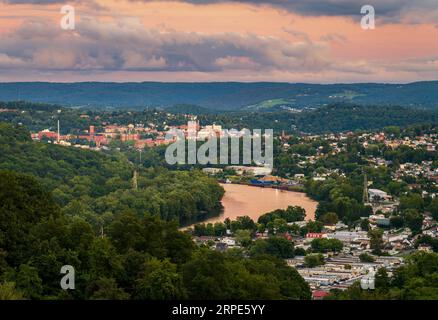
<point x="348" y="236"/>
<point x="376" y="194"/>
<point x="257" y="171"/>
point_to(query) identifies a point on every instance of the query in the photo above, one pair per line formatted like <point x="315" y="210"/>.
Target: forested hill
<point x="220" y="96"/>
<point x="340" y="118"/>
<point x="98" y="186"/>
<point x="62" y="206"/>
<point x="327" y="119"/>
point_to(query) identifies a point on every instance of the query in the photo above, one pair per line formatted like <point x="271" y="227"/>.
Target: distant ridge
<point x="221" y="95"/>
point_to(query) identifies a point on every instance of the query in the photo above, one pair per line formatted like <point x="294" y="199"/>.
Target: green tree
<point x="28" y="282"/>
<point x="159" y="281"/>
<point x="243" y="237"/>
<point x="414" y="220"/>
<point x="207" y="276"/>
<point x="412" y="201"/>
<point x="23" y="203"/>
<point x="276" y="246"/>
<point x="433" y="208"/>
<point x="311" y="227"/>
<point x="126" y="232"/>
<point x="330" y="218"/>
<point x="219" y="229"/>
<point x="314" y="260"/>
<point x="396" y="222"/>
<point x="9" y="292"/>
<point x="365" y="257"/>
<point x="326" y="245"/>
<point x="365" y="224"/>
<point x="376" y="240"/>
<point x="382" y="281"/>
<point x="107" y="289"/>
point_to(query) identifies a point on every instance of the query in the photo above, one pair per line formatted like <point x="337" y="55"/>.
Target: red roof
<point x="314" y="235"/>
<point x="319" y="294"/>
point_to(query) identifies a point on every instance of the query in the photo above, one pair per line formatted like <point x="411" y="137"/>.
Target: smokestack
<point x="58" y="132"/>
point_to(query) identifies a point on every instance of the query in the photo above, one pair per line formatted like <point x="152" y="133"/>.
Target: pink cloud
<point x="240" y="40"/>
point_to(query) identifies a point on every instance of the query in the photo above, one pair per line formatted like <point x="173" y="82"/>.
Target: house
<point x="349" y="236"/>
<point x="379" y="219"/>
<point x="220" y="246"/>
<point x="319" y="295"/>
<point x="141" y="144"/>
<point x="425" y="248"/>
<point x="274" y="179"/>
<point x="212" y="170"/>
<point x="257" y="171"/>
<point x="377" y="195"/>
<point x="311" y="236"/>
<point x="48" y="134"/>
<point x="298" y="223"/>
<point x="383" y="222"/>
<point x="229" y="241"/>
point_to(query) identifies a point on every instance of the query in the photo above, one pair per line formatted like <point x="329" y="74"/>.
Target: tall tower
<point x="134" y="180"/>
<point x="57" y="137"/>
<point x="365" y="198"/>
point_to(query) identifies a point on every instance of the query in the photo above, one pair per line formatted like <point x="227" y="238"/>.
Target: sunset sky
<point x="317" y="41"/>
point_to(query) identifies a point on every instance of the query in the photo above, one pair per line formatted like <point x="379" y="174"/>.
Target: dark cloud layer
<point x="307" y="7"/>
<point x="334" y="7"/>
<point x="391" y="10"/>
<point x="34" y="1"/>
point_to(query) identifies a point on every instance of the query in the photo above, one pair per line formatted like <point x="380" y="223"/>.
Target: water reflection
<point x="240" y="200"/>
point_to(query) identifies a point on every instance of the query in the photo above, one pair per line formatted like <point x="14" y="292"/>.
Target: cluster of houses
<point x="141" y="135"/>
<point x="424" y="170"/>
<point x="428" y="141"/>
<point x="341" y="269"/>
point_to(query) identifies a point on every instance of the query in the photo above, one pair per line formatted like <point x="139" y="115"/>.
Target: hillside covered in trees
<point x="336" y="117"/>
<point x="221" y="95"/>
<point x="65" y="206"/>
<point x="97" y="186"/>
<point x="134" y="258"/>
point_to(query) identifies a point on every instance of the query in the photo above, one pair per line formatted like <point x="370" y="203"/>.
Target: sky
<point x="311" y="41"/>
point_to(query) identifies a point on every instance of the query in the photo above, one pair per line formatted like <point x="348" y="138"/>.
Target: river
<point x="241" y="200"/>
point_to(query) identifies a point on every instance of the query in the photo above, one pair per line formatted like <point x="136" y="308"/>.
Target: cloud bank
<point x="296" y="50"/>
<point x="128" y="46"/>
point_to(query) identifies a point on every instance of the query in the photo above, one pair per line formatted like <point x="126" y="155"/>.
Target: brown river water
<point x="243" y="200"/>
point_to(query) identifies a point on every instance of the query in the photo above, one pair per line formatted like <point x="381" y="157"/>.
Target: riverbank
<point x="294" y="188"/>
